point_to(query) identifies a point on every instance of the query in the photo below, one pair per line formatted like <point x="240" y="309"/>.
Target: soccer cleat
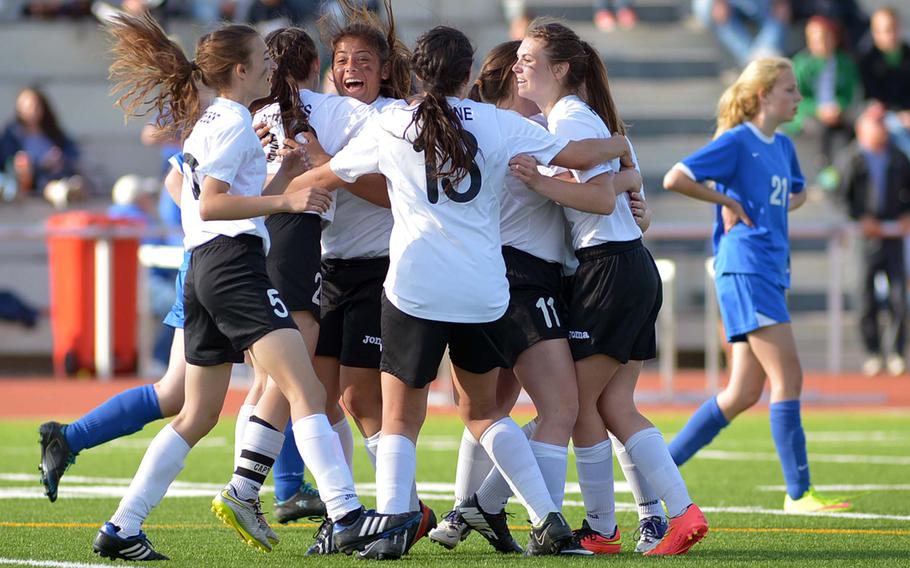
<point x="56" y="457"/>
<point x="271" y="535"/>
<point x="450" y="531"/>
<point x="245" y="517"/>
<point x="389" y="548"/>
<point x="137" y="548"/>
<point x="492" y="526"/>
<point x="427" y="523"/>
<point x="650" y="531"/>
<point x="812" y="502"/>
<point x="305" y="504"/>
<point x="595" y="542"/>
<point x="324" y="544"/>
<point x="370" y="526"/>
<point x="550" y="536"/>
<point x="683" y="532"/>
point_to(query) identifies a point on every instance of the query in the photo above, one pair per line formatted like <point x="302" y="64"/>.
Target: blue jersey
<point x="760" y="173"/>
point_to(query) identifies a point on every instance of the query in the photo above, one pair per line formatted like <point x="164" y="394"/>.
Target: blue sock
<point x="698" y="432"/>
<point x="790" y="440"/>
<point x="116" y="417"/>
<point x="288" y="468"/>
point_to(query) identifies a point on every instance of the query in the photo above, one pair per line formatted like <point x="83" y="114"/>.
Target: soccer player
<point x="757" y="181"/>
<point x="230" y="304"/>
<point x="445" y="161"/>
<point x="615" y="298"/>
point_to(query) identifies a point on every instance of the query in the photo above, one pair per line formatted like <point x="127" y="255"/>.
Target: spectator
<point x="847" y="13"/>
<point x="33" y="148"/>
<point x="609" y="13"/>
<point x="875" y="183"/>
<point x="828" y="80"/>
<point x="730" y="20"/>
<point x="885" y="69"/>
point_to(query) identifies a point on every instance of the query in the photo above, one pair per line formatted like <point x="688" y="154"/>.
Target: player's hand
<point x="639" y="206"/>
<point x="524" y="168"/>
<point x="870" y="227"/>
<point x="294" y="162"/>
<point x="625" y="160"/>
<point x="733" y="214"/>
<point x="314" y="149"/>
<point x="264" y="133"/>
<point x="309" y="199"/>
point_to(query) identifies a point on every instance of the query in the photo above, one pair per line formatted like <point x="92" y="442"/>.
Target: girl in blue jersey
<point x="757" y="182"/>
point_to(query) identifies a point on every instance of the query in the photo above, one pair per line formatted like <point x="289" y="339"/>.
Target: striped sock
<point x="261" y="444"/>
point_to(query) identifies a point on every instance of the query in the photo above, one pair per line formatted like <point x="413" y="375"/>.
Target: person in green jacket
<point x="828" y="78"/>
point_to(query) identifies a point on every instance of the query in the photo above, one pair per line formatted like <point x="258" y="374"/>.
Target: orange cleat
<point x="591" y="540"/>
<point x="685" y="530"/>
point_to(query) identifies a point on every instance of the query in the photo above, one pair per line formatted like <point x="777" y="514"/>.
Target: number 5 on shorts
<point x="280" y="309"/>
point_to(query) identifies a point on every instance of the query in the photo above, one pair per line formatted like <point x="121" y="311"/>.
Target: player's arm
<point x="679" y="181"/>
<point x="588" y="153"/>
<point x="173" y="183"/>
<point x="797" y="200"/>
<point x="594" y="196"/>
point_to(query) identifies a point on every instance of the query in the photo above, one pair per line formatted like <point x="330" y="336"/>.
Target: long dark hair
<point x="494" y="83"/>
<point x="442" y="59"/>
<point x="381" y="37"/>
<point x="157" y="76"/>
<point x="48" y="123"/>
<point x="587" y="75"/>
<point x="294" y="54"/>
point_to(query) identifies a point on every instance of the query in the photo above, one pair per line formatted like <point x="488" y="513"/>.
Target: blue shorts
<point x="749" y="302"/>
<point x="175" y="317"/>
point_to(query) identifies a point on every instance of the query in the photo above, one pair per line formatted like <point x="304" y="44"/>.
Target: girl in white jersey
<point x="230" y="304"/>
<point x="614" y="301"/>
<point x="445" y="162"/>
<point x="532" y="228"/>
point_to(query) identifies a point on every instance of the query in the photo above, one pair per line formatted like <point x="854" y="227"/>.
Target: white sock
<point x="473" y="467"/>
<point x="243" y="417"/>
<point x="507" y="445"/>
<point x="258" y="450"/>
<point x="372" y="445"/>
<point x="396" y="469"/>
<point x="647" y="499"/>
<point x="648" y="450"/>
<point x="321" y="452"/>
<point x="162" y="462"/>
<point x="346" y="437"/>
<point x="553" y="461"/>
<point x="494" y="492"/>
<point x="595" y="476"/>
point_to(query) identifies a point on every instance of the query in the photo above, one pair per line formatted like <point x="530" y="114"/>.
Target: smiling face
<point x="356" y="69"/>
<point x="537" y="80"/>
<point x="781" y="102"/>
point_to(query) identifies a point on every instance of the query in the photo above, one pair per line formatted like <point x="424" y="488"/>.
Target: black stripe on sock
<point x="257" y="457"/>
<point x="251" y="475"/>
<point x="262" y="422"/>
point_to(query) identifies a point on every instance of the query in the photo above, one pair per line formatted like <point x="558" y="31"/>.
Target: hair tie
<point x="193" y="65"/>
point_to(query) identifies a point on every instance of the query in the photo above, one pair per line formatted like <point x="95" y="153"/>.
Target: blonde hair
<point x="740" y="102"/>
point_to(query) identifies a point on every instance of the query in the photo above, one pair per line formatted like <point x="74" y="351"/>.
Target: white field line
<point x="49" y="563"/>
<point x="867" y="487"/>
<point x="813" y="458"/>
<point x="856" y="436"/>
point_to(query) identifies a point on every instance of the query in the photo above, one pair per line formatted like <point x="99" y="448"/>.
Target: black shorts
<point x="293" y="260"/>
<point x="615" y="301"/>
<point x="350" y="330"/>
<point x="413" y="347"/>
<point x="536" y="308"/>
<point x="229" y="302"/>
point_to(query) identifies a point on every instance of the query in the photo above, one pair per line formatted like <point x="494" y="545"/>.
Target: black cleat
<point x="305" y="504"/>
<point x="325" y="543"/>
<point x="492" y="526"/>
<point x="56" y="457"/>
<point x="134" y="549"/>
<point x="370" y="526"/>
<point x="552" y="536"/>
<point x="389" y="548"/>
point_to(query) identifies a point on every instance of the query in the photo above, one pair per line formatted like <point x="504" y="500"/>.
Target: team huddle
<point x="342" y="243"/>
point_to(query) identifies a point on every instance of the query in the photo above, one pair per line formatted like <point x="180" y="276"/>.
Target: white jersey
<point x="334" y="119"/>
<point x="572" y="118"/>
<point x="223" y="146"/>
<point x="445" y="251"/>
<point x="531" y="222"/>
<point x="359" y="229"/>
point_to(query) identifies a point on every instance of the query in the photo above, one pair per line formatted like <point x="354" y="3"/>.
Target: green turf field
<point x="867" y="455"/>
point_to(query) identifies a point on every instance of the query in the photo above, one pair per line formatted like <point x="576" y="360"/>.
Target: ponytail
<point x="294" y="54"/>
<point x="496" y="80"/>
<point x="740" y="101"/>
<point x="155" y="75"/>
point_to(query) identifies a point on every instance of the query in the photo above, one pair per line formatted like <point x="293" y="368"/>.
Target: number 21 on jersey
<point x="780" y="190"/>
